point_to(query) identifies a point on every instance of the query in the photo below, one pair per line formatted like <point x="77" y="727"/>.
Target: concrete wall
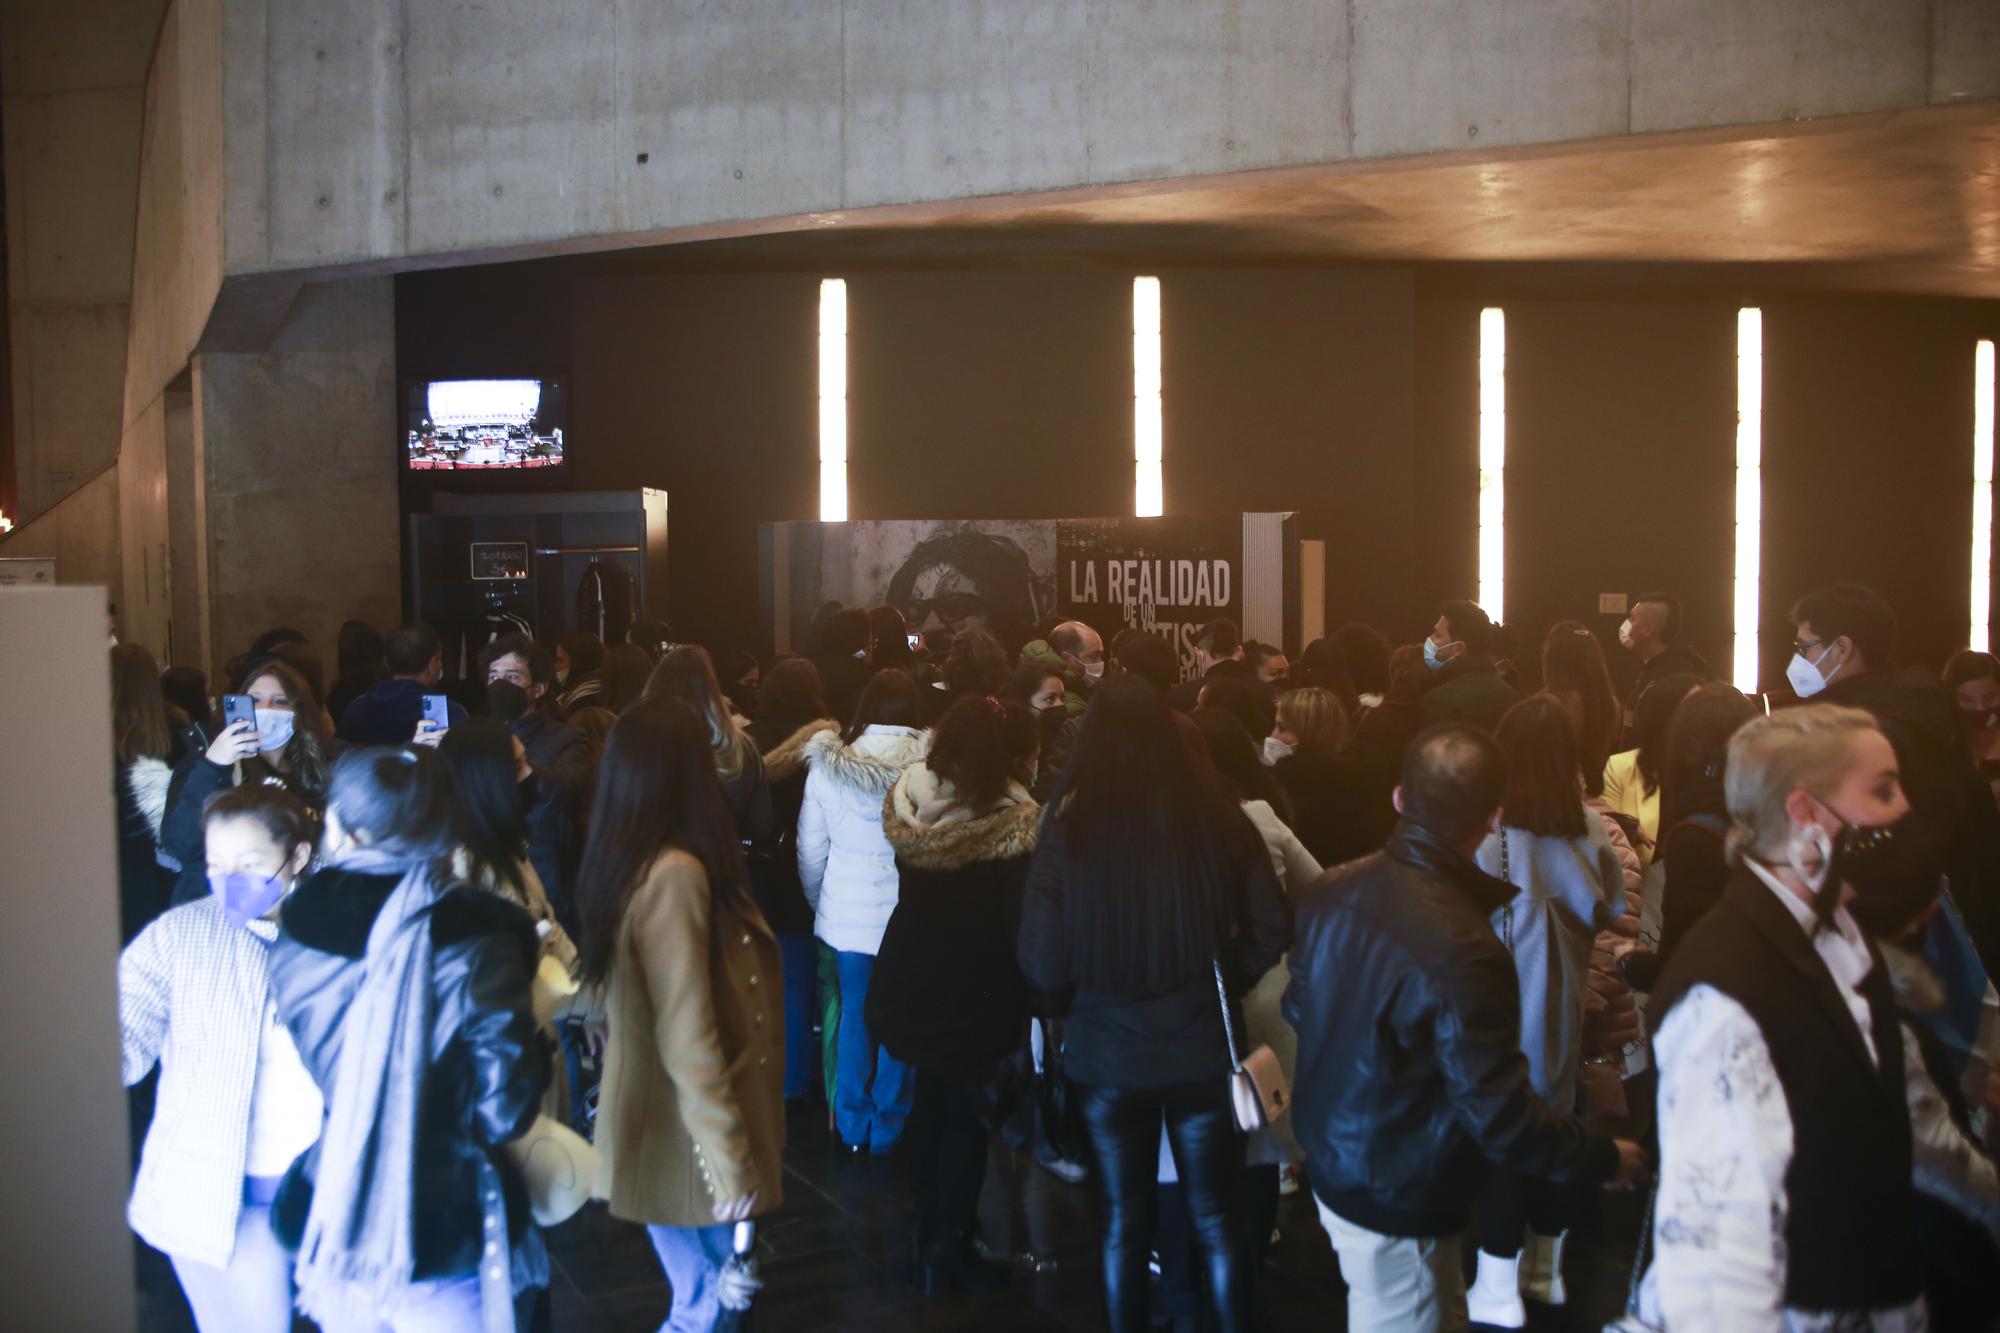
<point x="389" y="130"/>
<point x="298" y="459"/>
<point x="73" y="78"/>
<point x="80" y="532"/>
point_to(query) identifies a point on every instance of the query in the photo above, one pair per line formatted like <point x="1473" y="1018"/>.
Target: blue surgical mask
<point x="274" y="728"/>
<point x="245" y="895"/>
<point x="1431" y="658"/>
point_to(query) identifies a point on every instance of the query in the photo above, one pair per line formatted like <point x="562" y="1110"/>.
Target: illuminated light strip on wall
<point x="1148" y="492"/>
<point x="1749" y="493"/>
<point x="1980" y="637"/>
<point x="1493" y="463"/>
<point x="833" y="400"/>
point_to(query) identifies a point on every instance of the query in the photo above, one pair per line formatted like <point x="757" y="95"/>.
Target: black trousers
<point x="1513" y="1203"/>
<point x="947" y="1159"/>
<point x="1180" y="1276"/>
<point x="1123" y="1126"/>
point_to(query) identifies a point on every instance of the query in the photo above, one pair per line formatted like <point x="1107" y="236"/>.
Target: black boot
<point x="951" y="1265"/>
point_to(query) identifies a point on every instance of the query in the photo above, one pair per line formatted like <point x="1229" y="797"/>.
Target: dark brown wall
<point x="989" y="395"/>
<point x="1349" y="395"/>
<point x="1293" y="390"/>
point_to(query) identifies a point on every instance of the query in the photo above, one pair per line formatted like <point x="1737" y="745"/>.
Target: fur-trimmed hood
<point x="788" y="757"/>
<point x="148" y="778"/>
<point x="873" y="763"/>
<point x="929" y="828"/>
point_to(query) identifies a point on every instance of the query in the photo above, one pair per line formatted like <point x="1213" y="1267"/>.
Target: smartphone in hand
<point x="239" y="708"/>
<point x="437" y="711"/>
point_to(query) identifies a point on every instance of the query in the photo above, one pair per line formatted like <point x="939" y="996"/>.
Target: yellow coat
<point x="692" y="1108"/>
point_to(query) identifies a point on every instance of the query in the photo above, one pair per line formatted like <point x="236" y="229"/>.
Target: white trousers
<point x="253" y="1293"/>
<point x="1397" y="1284"/>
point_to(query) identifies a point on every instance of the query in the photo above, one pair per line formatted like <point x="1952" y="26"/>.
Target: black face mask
<point x="508" y="701"/>
<point x="531" y="792"/>
<point x="1894" y="871"/>
<point x="1975" y="720"/>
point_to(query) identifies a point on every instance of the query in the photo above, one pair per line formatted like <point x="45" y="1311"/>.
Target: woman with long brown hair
<point x="288" y="746"/>
<point x="691" y="1114"/>
<point x="1568" y="885"/>
<point x="1574" y="673"/>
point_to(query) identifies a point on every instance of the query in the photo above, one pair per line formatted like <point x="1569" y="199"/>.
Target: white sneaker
<point x="1542" y="1269"/>
<point x="1494" y="1298"/>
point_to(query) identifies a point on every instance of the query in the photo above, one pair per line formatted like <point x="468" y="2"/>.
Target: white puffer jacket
<point x="846" y="866"/>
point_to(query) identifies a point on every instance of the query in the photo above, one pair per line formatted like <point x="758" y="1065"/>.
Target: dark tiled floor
<point x="835" y="1258"/>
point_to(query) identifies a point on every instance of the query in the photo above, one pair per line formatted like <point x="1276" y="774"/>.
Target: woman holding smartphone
<point x="273" y="732"/>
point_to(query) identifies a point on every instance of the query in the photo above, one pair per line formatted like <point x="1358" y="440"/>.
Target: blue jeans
<point x="801" y="967"/>
<point x="692" y="1258"/>
<point x="873" y="1089"/>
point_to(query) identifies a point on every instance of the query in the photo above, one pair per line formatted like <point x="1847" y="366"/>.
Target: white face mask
<point x="1275" y="749"/>
<point x="274" y="728"/>
<point x="1625" y="633"/>
<point x="1093" y="671"/>
<point x="1805" y="678"/>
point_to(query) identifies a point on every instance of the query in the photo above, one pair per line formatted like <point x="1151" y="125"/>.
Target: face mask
<point x="1093" y="671"/>
<point x="1625" y="633"/>
<point x="274" y="728"/>
<point x="531" y="792"/>
<point x="1805" y="678"/>
<point x="1431" y="658"/>
<point x="1275" y="749"/>
<point x="562" y="677"/>
<point x="1976" y="719"/>
<point x="1893" y="871"/>
<point x="246" y="896"/>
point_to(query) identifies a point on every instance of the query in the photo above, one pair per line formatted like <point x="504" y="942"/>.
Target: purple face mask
<point x="246" y="896"/>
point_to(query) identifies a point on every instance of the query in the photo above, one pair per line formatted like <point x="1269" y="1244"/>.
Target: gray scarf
<point x="359" y="1246"/>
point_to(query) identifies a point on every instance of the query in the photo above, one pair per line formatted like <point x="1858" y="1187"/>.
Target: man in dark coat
<point x="1218" y="651"/>
<point x="1466" y="684"/>
<point x="520" y="674"/>
<point x="1410" y="1076"/>
<point x="389" y="712"/>
<point x="1651" y="633"/>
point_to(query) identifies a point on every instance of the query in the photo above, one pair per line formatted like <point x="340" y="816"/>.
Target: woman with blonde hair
<point x="1337" y="811"/>
<point x="687" y="674"/>
<point x="1786" y="1196"/>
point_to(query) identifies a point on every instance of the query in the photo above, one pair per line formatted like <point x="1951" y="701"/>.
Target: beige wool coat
<point x="692" y="1107"/>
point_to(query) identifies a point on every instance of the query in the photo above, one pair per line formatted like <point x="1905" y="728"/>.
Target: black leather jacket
<point x="1410" y="1074"/>
<point x="489" y="1063"/>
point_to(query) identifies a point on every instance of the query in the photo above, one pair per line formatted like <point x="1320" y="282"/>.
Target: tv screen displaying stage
<point x="481" y="425"/>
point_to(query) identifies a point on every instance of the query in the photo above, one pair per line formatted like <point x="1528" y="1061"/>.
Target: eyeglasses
<point x="1804" y="646"/>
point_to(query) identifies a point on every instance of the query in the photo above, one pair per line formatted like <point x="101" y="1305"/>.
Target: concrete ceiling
<point x="1903" y="202"/>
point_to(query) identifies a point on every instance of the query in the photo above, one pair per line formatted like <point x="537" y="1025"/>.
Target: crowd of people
<point x="1369" y="921"/>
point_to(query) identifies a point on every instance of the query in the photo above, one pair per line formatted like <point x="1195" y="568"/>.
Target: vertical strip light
<point x="1980" y="637"/>
<point x="1148" y="493"/>
<point x="833" y="400"/>
<point x="1493" y="463"/>
<point x="1749" y="493"/>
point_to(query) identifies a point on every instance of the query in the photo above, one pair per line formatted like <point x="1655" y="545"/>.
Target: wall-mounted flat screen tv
<point x="483" y="425"/>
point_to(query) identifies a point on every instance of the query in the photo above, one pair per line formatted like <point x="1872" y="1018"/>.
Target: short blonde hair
<point x="1772" y="757"/>
<point x="1315" y="717"/>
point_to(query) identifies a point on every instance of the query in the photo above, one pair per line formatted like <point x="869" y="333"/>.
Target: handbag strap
<point x="1507" y="919"/>
<point x="1228" y="1027"/>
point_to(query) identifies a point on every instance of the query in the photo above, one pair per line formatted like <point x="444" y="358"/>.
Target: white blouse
<point x="1725" y="1145"/>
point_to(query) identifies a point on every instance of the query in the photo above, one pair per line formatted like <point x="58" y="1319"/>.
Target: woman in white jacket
<point x="236" y="1104"/>
<point x="848" y="871"/>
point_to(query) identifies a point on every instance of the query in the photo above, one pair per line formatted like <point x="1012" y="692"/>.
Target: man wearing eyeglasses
<point x="1845" y="653"/>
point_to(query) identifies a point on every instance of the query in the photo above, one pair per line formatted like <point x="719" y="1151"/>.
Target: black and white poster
<point x="1168" y="576"/>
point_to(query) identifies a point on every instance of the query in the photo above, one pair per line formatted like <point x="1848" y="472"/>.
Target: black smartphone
<point x="239" y="708"/>
<point x="437" y="711"/>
